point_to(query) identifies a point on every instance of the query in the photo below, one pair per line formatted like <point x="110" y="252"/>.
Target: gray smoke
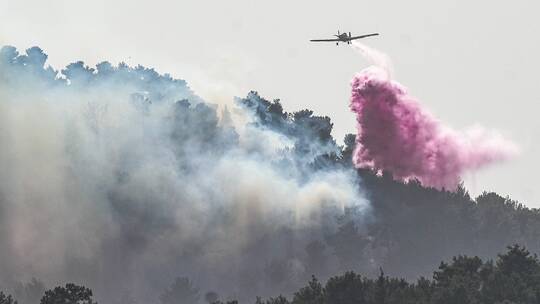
<point x="122" y="179"/>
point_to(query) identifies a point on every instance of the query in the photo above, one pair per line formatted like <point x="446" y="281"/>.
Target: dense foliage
<point x="408" y="229"/>
<point x="70" y="294"/>
<point x="411" y="223"/>
<point x="514" y="277"/>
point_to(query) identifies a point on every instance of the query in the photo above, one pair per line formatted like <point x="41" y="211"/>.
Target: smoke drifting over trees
<point x="123" y="179"/>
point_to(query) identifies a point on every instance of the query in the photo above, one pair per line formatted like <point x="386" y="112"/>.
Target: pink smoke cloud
<point x="396" y="134"/>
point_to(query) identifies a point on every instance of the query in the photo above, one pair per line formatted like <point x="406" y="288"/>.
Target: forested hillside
<point x="122" y="179"/>
<point x="513" y="277"/>
<point x="412" y="227"/>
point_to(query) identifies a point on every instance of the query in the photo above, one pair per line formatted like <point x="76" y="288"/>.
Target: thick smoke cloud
<point x="121" y="178"/>
<point x="397" y="135"/>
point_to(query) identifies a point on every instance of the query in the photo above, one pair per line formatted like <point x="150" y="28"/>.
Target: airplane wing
<point x="363" y="36"/>
<point x="323" y="40"/>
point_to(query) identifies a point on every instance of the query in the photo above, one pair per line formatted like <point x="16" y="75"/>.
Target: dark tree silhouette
<point x="6" y="299"/>
<point x="380" y="288"/>
<point x="277" y="300"/>
<point x="181" y="291"/>
<point x="69" y="294"/>
<point x="211" y="297"/>
<point x="513" y="278"/>
<point x="349" y="288"/>
<point x="313" y="293"/>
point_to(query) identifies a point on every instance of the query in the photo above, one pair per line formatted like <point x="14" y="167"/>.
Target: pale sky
<point x="468" y="62"/>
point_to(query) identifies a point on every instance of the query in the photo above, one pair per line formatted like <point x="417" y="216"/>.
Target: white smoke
<point x="112" y="183"/>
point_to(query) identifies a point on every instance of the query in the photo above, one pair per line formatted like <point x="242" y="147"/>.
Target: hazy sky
<point x="469" y="62"/>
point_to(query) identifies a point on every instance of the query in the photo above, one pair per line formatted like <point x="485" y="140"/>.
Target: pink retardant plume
<point x="397" y="135"/>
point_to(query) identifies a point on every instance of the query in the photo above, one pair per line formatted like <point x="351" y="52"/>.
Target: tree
<point x="277" y="300"/>
<point x="211" y="297"/>
<point x="6" y="299"/>
<point x="349" y="288"/>
<point x="35" y="57"/>
<point x="380" y="288"/>
<point x="181" y="291"/>
<point x="516" y="277"/>
<point x="459" y="281"/>
<point x="518" y="260"/>
<point x="349" y="142"/>
<point x="311" y="294"/>
<point x="70" y="294"/>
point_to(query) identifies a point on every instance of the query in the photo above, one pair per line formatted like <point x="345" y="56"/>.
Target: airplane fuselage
<point x="343" y="37"/>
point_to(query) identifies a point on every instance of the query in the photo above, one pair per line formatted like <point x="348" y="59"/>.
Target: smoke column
<point x="397" y="135"/>
<point x="121" y="178"/>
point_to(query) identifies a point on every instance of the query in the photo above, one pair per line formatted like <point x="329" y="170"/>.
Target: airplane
<point x="344" y="38"/>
